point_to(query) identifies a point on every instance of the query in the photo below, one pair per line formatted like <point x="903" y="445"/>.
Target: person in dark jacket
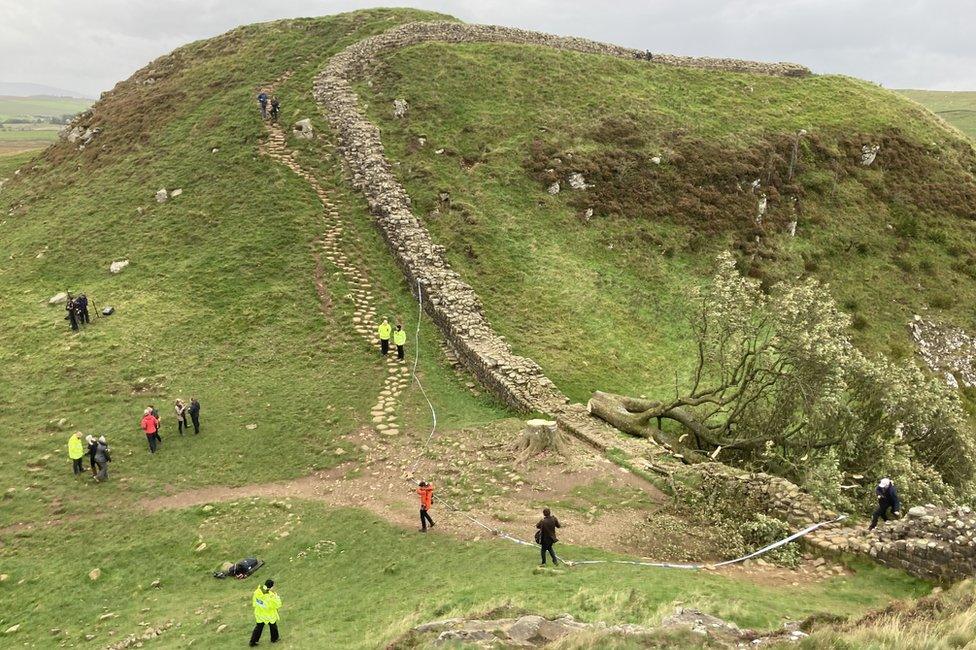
<point x="275" y="108"/>
<point x="887" y="498"/>
<point x="194" y="411"/>
<point x="547" y="535"/>
<point x="92" y="448"/>
<point x="263" y="101"/>
<point x="72" y="310"/>
<point x="81" y="308"/>
<point x="102" y="459"/>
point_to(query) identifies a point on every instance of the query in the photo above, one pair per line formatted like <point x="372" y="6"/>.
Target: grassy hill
<point x="958" y="108"/>
<point x="600" y="301"/>
<point x="227" y="299"/>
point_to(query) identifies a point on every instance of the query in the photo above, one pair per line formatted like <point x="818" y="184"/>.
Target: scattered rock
<point x="12" y="629"/>
<point x="577" y="182"/>
<point x="156" y="584"/>
<point x="162" y="196"/>
<point x="175" y="193"/>
<point x="116" y="267"/>
<point x="94" y="574"/>
<point x="221" y="628"/>
<point x="869" y="153"/>
<point x="58" y="298"/>
<point x="554" y="188"/>
<point x="303" y="129"/>
<point x="201" y="547"/>
<point x="656" y="160"/>
<point x="105" y="617"/>
<point x="399" y="108"/>
<point x="251" y="427"/>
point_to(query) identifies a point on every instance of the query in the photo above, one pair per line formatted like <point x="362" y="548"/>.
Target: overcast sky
<point x="88" y="45"/>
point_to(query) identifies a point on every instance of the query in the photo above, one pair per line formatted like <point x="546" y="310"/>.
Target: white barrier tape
<point x="416" y="360"/>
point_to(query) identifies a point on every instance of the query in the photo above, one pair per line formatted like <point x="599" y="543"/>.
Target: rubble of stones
<point x="531" y="631"/>
<point x="948" y="351"/>
<point x="79" y="131"/>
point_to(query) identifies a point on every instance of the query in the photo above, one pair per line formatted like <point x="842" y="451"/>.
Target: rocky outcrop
<point x="948" y="351"/>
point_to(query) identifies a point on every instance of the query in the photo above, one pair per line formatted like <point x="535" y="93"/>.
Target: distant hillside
<point x="28" y="123"/>
<point x="23" y="89"/>
<point x="958" y="108"/>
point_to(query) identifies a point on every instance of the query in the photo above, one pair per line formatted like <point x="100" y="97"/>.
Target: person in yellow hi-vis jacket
<point x="76" y="451"/>
<point x="266" y="603"/>
<point x="399" y="340"/>
<point x="384" y="331"/>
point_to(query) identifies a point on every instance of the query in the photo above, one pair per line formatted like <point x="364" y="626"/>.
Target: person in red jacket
<point x="150" y="424"/>
<point x="426" y="492"/>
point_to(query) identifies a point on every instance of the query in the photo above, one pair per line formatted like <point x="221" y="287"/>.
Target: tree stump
<point x="538" y="436"/>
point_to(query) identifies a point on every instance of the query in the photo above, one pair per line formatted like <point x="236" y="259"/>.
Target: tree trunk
<point x="632" y="415"/>
<point x="538" y="436"/>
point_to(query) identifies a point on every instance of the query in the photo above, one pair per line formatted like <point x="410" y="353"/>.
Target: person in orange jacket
<point x="426" y="492"/>
<point x="150" y="424"/>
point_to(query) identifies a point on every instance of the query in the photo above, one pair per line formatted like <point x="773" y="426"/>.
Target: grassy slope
<point x="601" y="304"/>
<point x="958" y="108"/>
<point x="365" y="583"/>
<point x="219" y="302"/>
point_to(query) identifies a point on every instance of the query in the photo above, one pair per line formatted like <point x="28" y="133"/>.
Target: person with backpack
<point x="887" y="499"/>
<point x="545" y="535"/>
<point x="426" y="493"/>
<point x="263" y="101"/>
<point x="384" y="331"/>
<point x="102" y="459"/>
<point x="92" y="447"/>
<point x="266" y="603"/>
<point x="194" y="411"/>
<point x="76" y="451"/>
<point x="150" y="425"/>
<point x="399" y="340"/>
<point x="159" y="422"/>
<point x="275" y="108"/>
<point x="180" y="416"/>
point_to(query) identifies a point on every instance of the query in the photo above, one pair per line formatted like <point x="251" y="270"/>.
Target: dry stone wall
<point x="452" y="303"/>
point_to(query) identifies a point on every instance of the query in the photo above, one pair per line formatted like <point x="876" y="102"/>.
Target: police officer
<point x="399" y="340"/>
<point x="384" y="331"/>
<point x="266" y="603"/>
<point x="76" y="451"/>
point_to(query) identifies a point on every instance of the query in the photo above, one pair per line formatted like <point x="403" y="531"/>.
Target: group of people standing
<point x="385" y="331"/>
<point x="263" y="102"/>
<point x="151" y="421"/>
<point x="97" y="451"/>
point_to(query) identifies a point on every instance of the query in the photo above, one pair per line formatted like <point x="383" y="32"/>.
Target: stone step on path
<point x="384" y="414"/>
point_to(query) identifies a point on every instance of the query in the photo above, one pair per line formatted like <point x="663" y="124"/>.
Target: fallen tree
<point x="778" y="384"/>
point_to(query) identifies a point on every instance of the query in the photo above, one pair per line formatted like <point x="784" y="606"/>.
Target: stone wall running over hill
<point x="452" y="303"/>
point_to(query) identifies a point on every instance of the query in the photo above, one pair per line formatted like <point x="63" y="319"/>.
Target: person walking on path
<point x="72" y="310"/>
<point x="92" y="448"/>
<point x="275" y="108"/>
<point x="266" y="603"/>
<point x="263" y="101"/>
<point x="887" y="498"/>
<point x="102" y="459"/>
<point x="76" y="452"/>
<point x="399" y="340"/>
<point x="384" y="331"/>
<point x="426" y="493"/>
<point x="150" y="425"/>
<point x="194" y="411"/>
<point x="546" y="535"/>
<point x="180" y="416"/>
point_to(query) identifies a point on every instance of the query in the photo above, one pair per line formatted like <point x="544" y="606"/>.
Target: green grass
<point x="366" y="583"/>
<point x="958" y="108"/>
<point x="40" y="106"/>
<point x="603" y="304"/>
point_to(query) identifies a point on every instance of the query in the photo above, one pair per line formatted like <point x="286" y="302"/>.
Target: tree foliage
<point x="779" y="384"/>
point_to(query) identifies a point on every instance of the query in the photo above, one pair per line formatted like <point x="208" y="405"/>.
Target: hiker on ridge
<point x="275" y="108"/>
<point x="266" y="603"/>
<point x="887" y="498"/>
<point x="545" y="536"/>
<point x="72" y="310"/>
<point x="384" y="331"/>
<point x="426" y="493"/>
<point x="150" y="425"/>
<point x="194" y="411"/>
<point x="81" y="308"/>
<point x="180" y="416"/>
<point x="76" y="451"/>
<point x="263" y="101"/>
<point x="399" y="340"/>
